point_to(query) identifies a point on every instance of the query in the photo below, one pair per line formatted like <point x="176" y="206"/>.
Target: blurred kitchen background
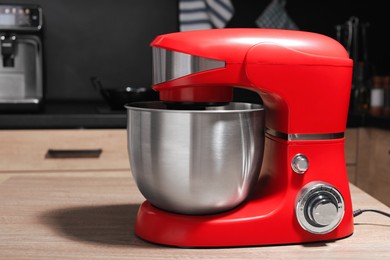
<point x="90" y="47"/>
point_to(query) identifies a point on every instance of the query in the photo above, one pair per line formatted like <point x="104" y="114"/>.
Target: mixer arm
<point x="304" y="78"/>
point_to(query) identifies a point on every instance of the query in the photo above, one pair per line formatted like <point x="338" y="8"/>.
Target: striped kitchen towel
<point x="204" y="14"/>
<point x="275" y="16"/>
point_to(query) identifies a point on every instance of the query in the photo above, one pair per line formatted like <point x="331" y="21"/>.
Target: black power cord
<point x="360" y="211"/>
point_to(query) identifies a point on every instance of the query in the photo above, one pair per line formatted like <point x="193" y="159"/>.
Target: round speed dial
<point x="319" y="208"/>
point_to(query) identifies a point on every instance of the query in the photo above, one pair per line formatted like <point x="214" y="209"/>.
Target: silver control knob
<point x="300" y="163"/>
<point x="319" y="208"/>
<point x="324" y="212"/>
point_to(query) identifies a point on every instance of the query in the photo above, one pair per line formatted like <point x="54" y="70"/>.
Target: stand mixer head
<point x="291" y="70"/>
<point x="304" y="79"/>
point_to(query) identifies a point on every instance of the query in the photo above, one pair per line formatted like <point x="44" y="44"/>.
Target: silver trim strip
<point x="303" y="137"/>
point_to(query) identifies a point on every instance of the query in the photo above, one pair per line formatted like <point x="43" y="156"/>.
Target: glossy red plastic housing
<point x="304" y="80"/>
<point x="268" y="216"/>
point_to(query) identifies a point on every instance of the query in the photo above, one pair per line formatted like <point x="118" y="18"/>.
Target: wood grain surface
<point x="72" y="215"/>
<point x="26" y="150"/>
<point x="373" y="170"/>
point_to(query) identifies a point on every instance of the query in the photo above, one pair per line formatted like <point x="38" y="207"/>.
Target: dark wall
<point x="322" y="16"/>
<point x="105" y="38"/>
<point x="110" y="38"/>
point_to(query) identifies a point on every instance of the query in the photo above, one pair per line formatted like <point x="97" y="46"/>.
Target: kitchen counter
<point x="66" y="115"/>
<point x="95" y="115"/>
<point x="90" y="215"/>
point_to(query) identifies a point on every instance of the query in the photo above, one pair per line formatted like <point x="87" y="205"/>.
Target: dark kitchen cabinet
<point x="368" y="160"/>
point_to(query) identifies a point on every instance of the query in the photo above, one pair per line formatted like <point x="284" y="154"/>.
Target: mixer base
<point x="268" y="217"/>
<point x="230" y="229"/>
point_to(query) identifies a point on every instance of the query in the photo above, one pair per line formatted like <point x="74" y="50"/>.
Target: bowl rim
<point x="159" y="107"/>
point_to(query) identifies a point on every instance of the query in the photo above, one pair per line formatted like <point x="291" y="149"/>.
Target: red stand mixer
<point x="302" y="192"/>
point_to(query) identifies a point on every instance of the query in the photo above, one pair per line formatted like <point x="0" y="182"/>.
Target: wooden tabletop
<point x="90" y="215"/>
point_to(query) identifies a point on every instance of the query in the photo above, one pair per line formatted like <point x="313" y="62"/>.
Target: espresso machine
<point x="21" y="87"/>
<point x="218" y="174"/>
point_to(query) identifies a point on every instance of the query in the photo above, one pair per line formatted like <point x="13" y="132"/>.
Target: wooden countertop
<point x="90" y="215"/>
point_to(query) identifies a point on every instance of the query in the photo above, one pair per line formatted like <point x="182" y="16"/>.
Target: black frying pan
<point x="117" y="98"/>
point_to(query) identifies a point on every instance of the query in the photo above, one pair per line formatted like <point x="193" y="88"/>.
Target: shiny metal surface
<point x="302" y="137"/>
<point x="319" y="208"/>
<point x="195" y="162"/>
<point x="23" y="82"/>
<point x="324" y="212"/>
<point x="168" y="65"/>
<point x="300" y="163"/>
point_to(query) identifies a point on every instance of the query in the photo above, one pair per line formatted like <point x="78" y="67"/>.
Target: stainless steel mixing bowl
<point x="195" y="161"/>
